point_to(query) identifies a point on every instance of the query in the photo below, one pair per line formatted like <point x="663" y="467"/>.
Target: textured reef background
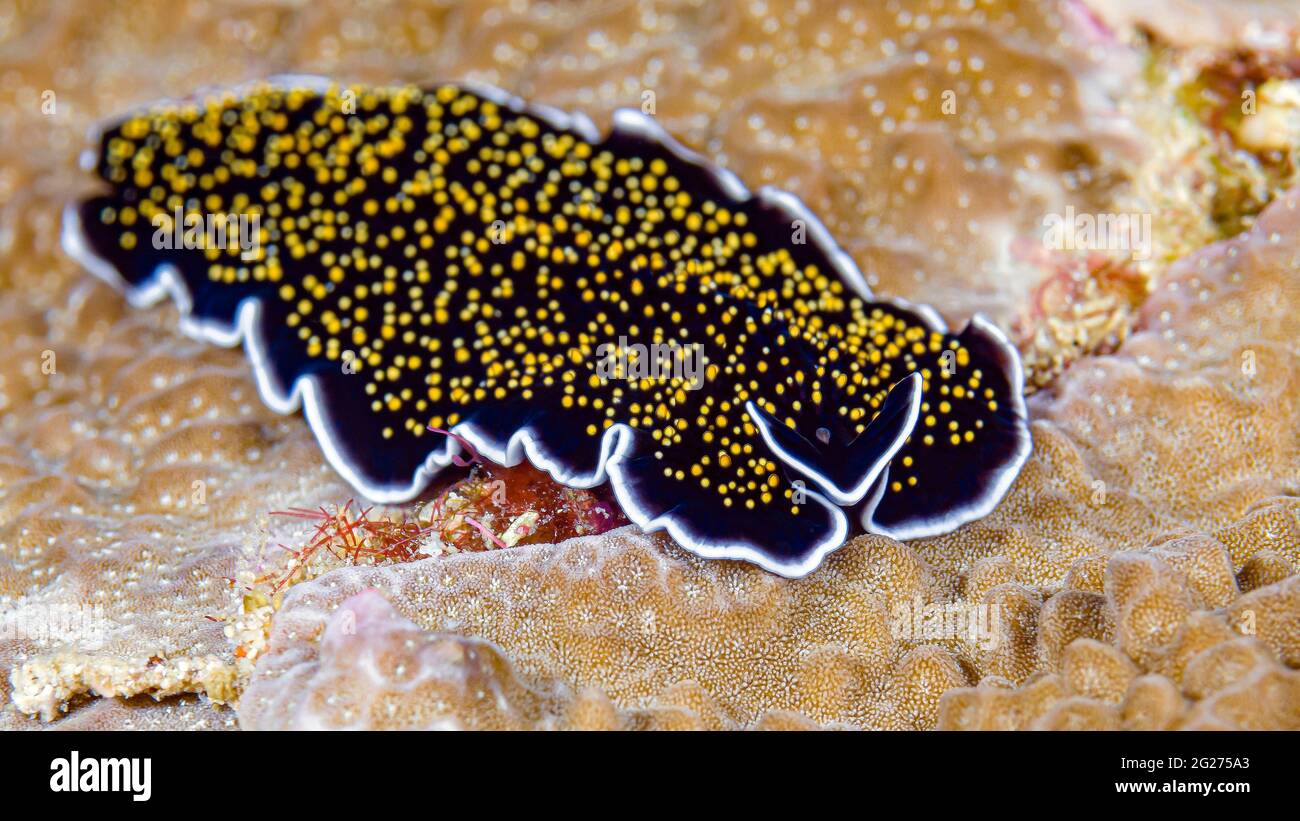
<point x="1140" y="573"/>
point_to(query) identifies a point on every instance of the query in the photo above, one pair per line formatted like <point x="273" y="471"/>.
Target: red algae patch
<point x="491" y="508"/>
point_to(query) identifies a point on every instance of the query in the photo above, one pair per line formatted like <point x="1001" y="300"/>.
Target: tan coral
<point x="1015" y="654"/>
<point x="1072" y="615"/>
<point x="1204" y="564"/>
<point x="372" y="668"/>
<point x="1097" y="671"/>
<point x="998" y="708"/>
<point x="1152" y="702"/>
<point x="1087" y="574"/>
<point x="988" y="573"/>
<point x="1223" y="24"/>
<point x="922" y="677"/>
<point x="1200" y="632"/>
<point x="181" y="712"/>
<point x="1264" y="568"/>
<point x="157" y="464"/>
<point x="1270" y="528"/>
<point x="44" y="686"/>
<point x="1268" y="699"/>
<point x="1149" y="618"/>
<point x="1079" y="713"/>
<point x="1222" y="665"/>
<point x="1273" y="615"/>
<point x="636" y="617"/>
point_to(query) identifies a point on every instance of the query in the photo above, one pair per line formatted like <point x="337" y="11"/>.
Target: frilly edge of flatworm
<point x="997" y="481"/>
<point x="307" y="392"/>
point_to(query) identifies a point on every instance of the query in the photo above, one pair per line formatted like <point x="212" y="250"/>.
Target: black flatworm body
<point x="412" y="261"/>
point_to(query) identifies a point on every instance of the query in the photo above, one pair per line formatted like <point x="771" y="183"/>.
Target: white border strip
<point x="955" y="518"/>
<point x="847" y="498"/>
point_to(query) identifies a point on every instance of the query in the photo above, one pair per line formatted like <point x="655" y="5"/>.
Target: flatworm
<point x="451" y="258"/>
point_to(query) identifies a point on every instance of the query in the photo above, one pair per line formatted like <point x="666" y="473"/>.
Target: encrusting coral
<point x="1140" y="574"/>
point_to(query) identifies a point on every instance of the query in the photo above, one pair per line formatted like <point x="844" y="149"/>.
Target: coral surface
<point x="1140" y="574"/>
